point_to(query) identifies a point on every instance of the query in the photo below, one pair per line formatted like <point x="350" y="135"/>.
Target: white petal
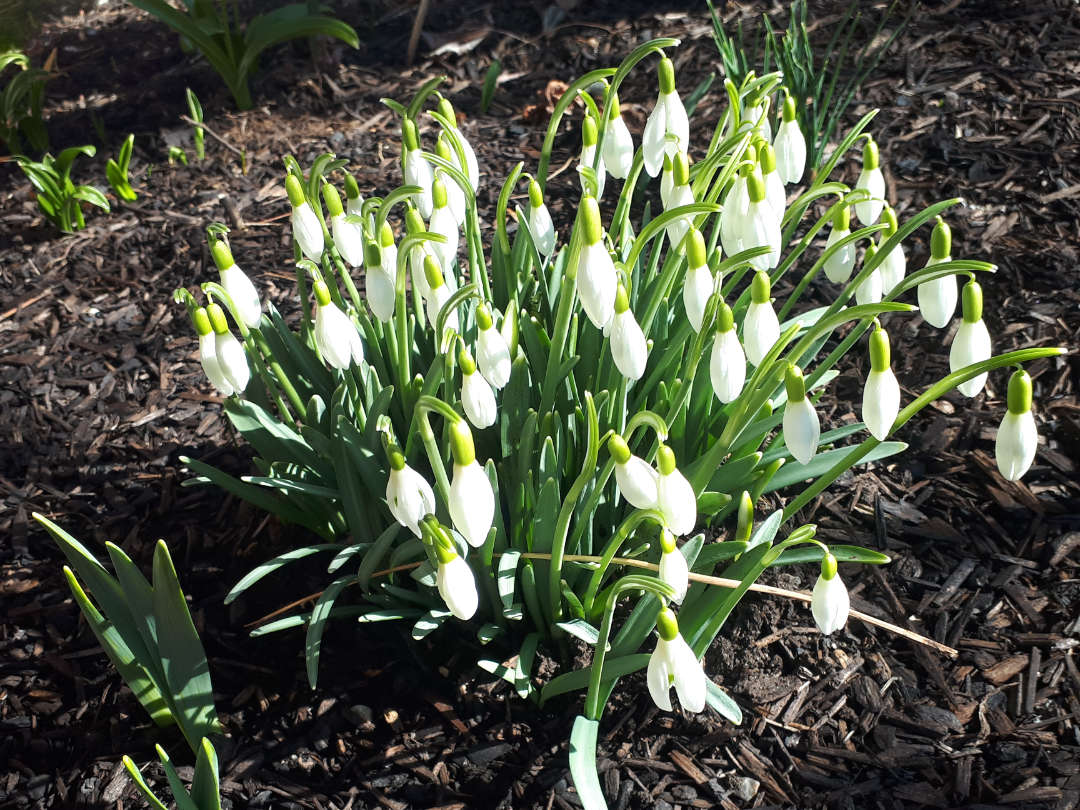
<point x="233" y="361"/>
<point x="830" y="604"/>
<point x="652" y="141"/>
<point x="937" y="301"/>
<point x="869" y="291"/>
<point x="618" y="148"/>
<point x="436" y="300"/>
<point x="760" y="227"/>
<point x="1017" y="440"/>
<point x="690" y="682"/>
<point x="761" y="330"/>
<point x="348" y="239"/>
<point x="443" y="223"/>
<point x="418" y="173"/>
<point x="457" y="587"/>
<point x="543" y="230"/>
<point x="970" y="345"/>
<point x="629" y="348"/>
<point x="676" y="500"/>
<point x="677" y="123"/>
<point x="243" y="294"/>
<point x="380" y="290"/>
<point x="307" y="231"/>
<point x="736" y="205"/>
<point x="881" y="403"/>
<point x="697" y="288"/>
<point x="680" y="196"/>
<point x="409" y="497"/>
<point x="472" y="503"/>
<point x="211" y="366"/>
<point x="774" y="193"/>
<point x="801" y="430"/>
<point x="588" y="153"/>
<point x="472" y="168"/>
<point x="873" y="181"/>
<point x="478" y="400"/>
<point x="637" y="483"/>
<point x="838" y="267"/>
<point x="597" y="283"/>
<point x="893" y="268"/>
<point x="493" y="356"/>
<point x="790" y="148"/>
<point x="658" y="676"/>
<point x="675" y="572"/>
<point x="335" y="335"/>
<point x="727" y="366"/>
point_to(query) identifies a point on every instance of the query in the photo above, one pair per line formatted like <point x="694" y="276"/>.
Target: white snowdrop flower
<point x="471" y="169"/>
<point x="736" y="204"/>
<point x="674" y="496"/>
<point x="354" y="201"/>
<point x="477" y="398"/>
<point x="408" y="494"/>
<point x="774" y="184"/>
<point x="830" y="603"/>
<point x="596" y="276"/>
<point x="881" y="395"/>
<point x="414" y="224"/>
<point x="471" y="501"/>
<point x="894" y="266"/>
<point x="758" y="116"/>
<point x="618" y="146"/>
<point x="790" y="145"/>
<point x="335" y="334"/>
<point x="1017" y="437"/>
<point x="971" y="344"/>
<point x="455" y="195"/>
<point x="673" y="568"/>
<point x="761" y="329"/>
<point x="699" y="284"/>
<point x="673" y="663"/>
<point x="937" y="298"/>
<point x="380" y="281"/>
<point x="680" y="195"/>
<point x="492" y="351"/>
<point x="438" y="294"/>
<point x="727" y="362"/>
<point x="229" y="352"/>
<point x="760" y="227"/>
<point x="629" y="349"/>
<point x="307" y="231"/>
<point x="869" y="290"/>
<point x="453" y="576"/>
<point x="636" y="479"/>
<point x="348" y="236"/>
<point x="802" y="430"/>
<point x="589" y="138"/>
<point x="442" y="222"/>
<point x="208" y="353"/>
<point x="839" y="265"/>
<point x="668" y="117"/>
<point x="872" y="181"/>
<point x="416" y="169"/>
<point x="237" y="284"/>
<point x="540" y="224"/>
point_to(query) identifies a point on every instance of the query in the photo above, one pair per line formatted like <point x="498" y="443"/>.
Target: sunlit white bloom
<point x="971" y="344"/>
<point x="802" y="430"/>
<point x="237" y="284"/>
<point x="629" y="348"/>
<point x="790" y="145"/>
<point x="596" y="276"/>
<point x="830" y="602"/>
<point x="872" y="181"/>
<point x="457" y="587"/>
<point x="774" y="183"/>
<point x="699" y="283"/>
<point x="674" y="496"/>
<point x="437" y="298"/>
<point x="736" y="206"/>
<point x="455" y="195"/>
<point x="881" y="395"/>
<point x="589" y="139"/>
<point x="380" y="282"/>
<point x="233" y="361"/>
<point x="679" y="195"/>
<point x="348" y="239"/>
<point x="673" y="568"/>
<point x="937" y="298"/>
<point x="1017" y="437"/>
<point x="839" y="265"/>
<point x="761" y="328"/>
<point x="635" y="477"/>
<point x="869" y="290"/>
<point x="211" y="366"/>
<point x="727" y="361"/>
<point x="758" y="116"/>
<point x="335" y="334"/>
<point x="618" y="146"/>
<point x="667" y="183"/>
<point x="667" y="117"/>
<point x="492" y="351"/>
<point x="760" y="227"/>
<point x="894" y="266"/>
<point x="471" y="169"/>
<point x="409" y="495"/>
<point x="472" y="501"/>
<point x="416" y="170"/>
<point x="442" y="222"/>
<point x="307" y="231"/>
<point x="478" y="400"/>
<point x="542" y="228"/>
<point x="673" y="663"/>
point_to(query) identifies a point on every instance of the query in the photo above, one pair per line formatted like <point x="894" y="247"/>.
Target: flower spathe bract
<point x="457" y="587"/>
<point x="830" y="602"/>
<point x="471" y="501"/>
<point x="1017" y="437"/>
<point x="673" y="663"/>
<point x="674" y="496"/>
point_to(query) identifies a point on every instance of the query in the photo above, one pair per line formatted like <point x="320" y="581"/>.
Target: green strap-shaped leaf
<point x="583" y="763"/>
<point x="793" y="472"/>
<point x="180" y="795"/>
<point x="286" y="23"/>
<point x="272" y="565"/>
<point x="320" y="614"/>
<point x="722" y="702"/>
<point x="140" y="783"/>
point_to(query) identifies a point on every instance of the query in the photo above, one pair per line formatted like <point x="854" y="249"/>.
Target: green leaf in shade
<point x="507" y="576"/>
<point x="583" y="763"/>
<point x="320" y="614"/>
<point x="272" y="565"/>
<point x="432" y="620"/>
<point x="579" y="678"/>
<point x="140" y="783"/>
<point x="206" y="784"/>
<point x="579" y="628"/>
<point x="180" y="795"/>
<point x="722" y="702"/>
<point x="491" y="80"/>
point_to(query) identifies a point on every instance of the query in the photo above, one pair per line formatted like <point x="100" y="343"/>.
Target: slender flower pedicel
<point x="306" y="229"/>
<point x="408" y="494"/>
<point x="971" y="344"/>
<point x="674" y="496"/>
<point x="668" y="117"/>
<point x="872" y="181"/>
<point x="839" y="265"/>
<point x="472" y="501"/>
<point x="335" y="335"/>
<point x="673" y="568"/>
<point x="699" y="284"/>
<point x="477" y="398"/>
<point x="229" y="352"/>
<point x="1017" y="438"/>
<point x="790" y="145"/>
<point x="540" y="224"/>
<point x="618" y="148"/>
<point x="727" y="362"/>
<point x="629" y="349"/>
<point x="761" y="329"/>
<point x="348" y="236"/>
<point x="881" y="396"/>
<point x="636" y="479"/>
<point x="492" y="352"/>
<point x="937" y="298"/>
<point x="237" y="284"/>
<point x="416" y="170"/>
<point x="802" y="429"/>
<point x="596" y="277"/>
<point x="673" y="663"/>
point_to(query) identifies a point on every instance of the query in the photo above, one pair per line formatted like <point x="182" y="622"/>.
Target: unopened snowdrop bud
<point x="477" y="398"/>
<point x="790" y="145"/>
<point x="230" y="354"/>
<point x="761" y="329"/>
<point x="618" y="143"/>
<point x="673" y="663"/>
<point x="636" y="479"/>
<point x="830" y="603"/>
<point x="760" y="227"/>
<point x="237" y="285"/>
<point x="1017" y="438"/>
<point x="471" y="169"/>
<point x="971" y="344"/>
<point x="736" y="205"/>
<point x="673" y="568"/>
<point x="438" y="294"/>
<point x="881" y="396"/>
<point x="415" y="224"/>
<point x="354" y="201"/>
<point x="937" y="299"/>
<point x="774" y="184"/>
<point x="680" y="195"/>
<point x="667" y="117"/>
<point x="872" y="181"/>
<point x="802" y="430"/>
<point x="894" y="266"/>
<point x="596" y="276"/>
<point x="869" y="290"/>
<point x="629" y="348"/>
<point x="454" y="193"/>
<point x="540" y="224"/>
<point x="306" y="229"/>
<point x="417" y="171"/>
<point x="492" y="352"/>
<point x="839" y="265"/>
<point x="454" y="579"/>
<point x="348" y="236"/>
<point x="744" y="520"/>
<point x="380" y="282"/>
<point x="589" y="137"/>
<point x="443" y="223"/>
<point x="208" y="353"/>
<point x="408" y="494"/>
<point x="727" y="362"/>
<point x="472" y="501"/>
<point x="699" y="283"/>
<point x="335" y="334"/>
<point x="674" y="496"/>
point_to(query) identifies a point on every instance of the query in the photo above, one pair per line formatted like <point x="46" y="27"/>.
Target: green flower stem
<point x="637" y="517"/>
<point x="398" y="195"/>
<point x="424" y="406"/>
<point x="261" y="349"/>
<point x="658" y="225"/>
<point x="567" y="297"/>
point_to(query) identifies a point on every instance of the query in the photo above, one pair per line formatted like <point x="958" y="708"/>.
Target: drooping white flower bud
<point x="472" y="501"/>
<point x="802" y="430"/>
<point x="674" y="496"/>
<point x="727" y="362"/>
<point x="937" y="298"/>
<point x="453" y="576"/>
<point x="229" y="352"/>
<point x="540" y="224"/>
<point x="736" y="205"/>
<point x="438" y="295"/>
<point x="477" y="398"/>
<point x="774" y="184"/>
<point x="354" y="201"/>
<point x="894" y="266"/>
<point x="335" y="334"/>
<point x="673" y="568"/>
<point x="699" y="284"/>
<point x="416" y="169"/>
<point x="673" y="663"/>
<point x="667" y="182"/>
<point x="455" y="195"/>
<point x="380" y="283"/>
<point x="629" y="349"/>
<point x="408" y="494"/>
<point x="236" y="283"/>
<point x="761" y="329"/>
<point x="760" y="227"/>
<point x="881" y="396"/>
<point x="872" y="181"/>
<point x="306" y="229"/>
<point x="618" y="143"/>
<point x="1017" y="437"/>
<point x="790" y="145"/>
<point x="680" y="195"/>
<point x="971" y="344"/>
<point x="414" y="224"/>
<point x="348" y="236"/>
<point x="492" y="352"/>
<point x="589" y="137"/>
<point x="208" y="353"/>
<point x="758" y="116"/>
<point x="596" y="276"/>
<point x="667" y="117"/>
<point x="636" y="479"/>
<point x="830" y="603"/>
<point x="839" y="265"/>
<point x="869" y="290"/>
<point x="442" y="222"/>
